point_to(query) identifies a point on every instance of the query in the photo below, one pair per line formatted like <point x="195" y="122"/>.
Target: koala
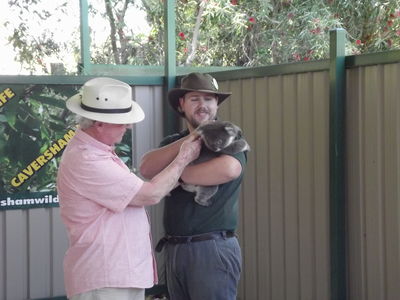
<point x="219" y="137"/>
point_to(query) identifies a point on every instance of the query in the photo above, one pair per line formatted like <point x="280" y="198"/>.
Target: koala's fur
<point x="219" y="137"/>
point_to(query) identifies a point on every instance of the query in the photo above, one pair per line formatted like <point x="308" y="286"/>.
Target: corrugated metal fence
<point x="373" y="199"/>
<point x="284" y="227"/>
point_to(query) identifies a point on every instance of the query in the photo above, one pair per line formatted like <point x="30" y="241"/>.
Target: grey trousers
<point x="207" y="270"/>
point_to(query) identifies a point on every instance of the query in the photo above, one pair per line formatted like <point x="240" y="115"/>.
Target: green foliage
<point x="226" y="32"/>
<point x="123" y="45"/>
<point x="124" y="150"/>
<point x="262" y="32"/>
<point x="254" y="33"/>
<point x="373" y="26"/>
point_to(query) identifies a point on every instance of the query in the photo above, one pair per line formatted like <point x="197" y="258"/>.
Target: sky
<point x="57" y="25"/>
<point x="7" y="64"/>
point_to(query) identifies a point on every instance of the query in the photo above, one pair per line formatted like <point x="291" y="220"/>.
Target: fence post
<point x="337" y="98"/>
<point x="85" y="38"/>
<point x="171" y="123"/>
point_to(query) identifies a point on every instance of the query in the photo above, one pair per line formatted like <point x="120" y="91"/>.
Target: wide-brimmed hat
<point x="195" y="82"/>
<point x="106" y="100"/>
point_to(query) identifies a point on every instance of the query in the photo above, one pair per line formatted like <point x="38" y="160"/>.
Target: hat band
<point x="106" y="110"/>
<point x="208" y="89"/>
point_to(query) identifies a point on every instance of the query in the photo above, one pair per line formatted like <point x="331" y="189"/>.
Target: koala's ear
<point x="237" y="129"/>
<point x="230" y="129"/>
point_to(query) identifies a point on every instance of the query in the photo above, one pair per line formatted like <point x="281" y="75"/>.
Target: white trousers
<point x="111" y="294"/>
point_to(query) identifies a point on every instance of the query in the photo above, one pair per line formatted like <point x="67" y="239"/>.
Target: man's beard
<point x="195" y="123"/>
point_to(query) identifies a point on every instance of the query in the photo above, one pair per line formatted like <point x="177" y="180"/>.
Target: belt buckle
<point x="161" y="243"/>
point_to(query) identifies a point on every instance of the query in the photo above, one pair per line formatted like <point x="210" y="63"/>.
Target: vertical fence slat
<point x="249" y="199"/>
<point x="144" y="130"/>
<point x="291" y="181"/>
<point x="3" y="273"/>
<point x="355" y="178"/>
<point x="321" y="183"/>
<point x="260" y="151"/>
<point x="147" y="136"/>
<point x="391" y="126"/>
<point x="305" y="192"/>
<point x="59" y="242"/>
<point x="16" y="255"/>
<point x="275" y="186"/>
<point x="231" y="110"/>
<point x="373" y="185"/>
<point x="39" y="253"/>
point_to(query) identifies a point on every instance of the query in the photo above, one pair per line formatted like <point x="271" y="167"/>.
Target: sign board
<point x="35" y="128"/>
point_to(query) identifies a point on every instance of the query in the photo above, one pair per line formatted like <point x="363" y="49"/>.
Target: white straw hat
<point x="106" y="100"/>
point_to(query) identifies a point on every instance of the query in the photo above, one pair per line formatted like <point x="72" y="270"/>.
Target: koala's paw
<point x="204" y="194"/>
<point x="237" y="146"/>
<point x="203" y="202"/>
<point x="189" y="187"/>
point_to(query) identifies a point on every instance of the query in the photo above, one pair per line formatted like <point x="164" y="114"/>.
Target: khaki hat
<point x="195" y="82"/>
<point x="106" y="100"/>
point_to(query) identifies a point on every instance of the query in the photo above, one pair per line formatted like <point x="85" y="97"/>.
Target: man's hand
<point x="153" y="191"/>
<point x="190" y="148"/>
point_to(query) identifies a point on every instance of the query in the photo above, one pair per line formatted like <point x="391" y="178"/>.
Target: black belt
<point x="193" y="238"/>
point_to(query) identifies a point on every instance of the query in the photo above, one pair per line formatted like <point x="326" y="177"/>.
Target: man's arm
<point x="154" y="161"/>
<point x="219" y="170"/>
<point x="161" y="184"/>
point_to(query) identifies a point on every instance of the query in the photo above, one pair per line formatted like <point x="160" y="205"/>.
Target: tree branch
<point x="193" y="45"/>
<point x="113" y="31"/>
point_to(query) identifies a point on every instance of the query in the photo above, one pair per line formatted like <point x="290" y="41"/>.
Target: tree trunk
<point x="193" y="45"/>
<point x="113" y="34"/>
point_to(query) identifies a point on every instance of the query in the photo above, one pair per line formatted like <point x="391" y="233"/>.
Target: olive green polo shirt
<point x="183" y="216"/>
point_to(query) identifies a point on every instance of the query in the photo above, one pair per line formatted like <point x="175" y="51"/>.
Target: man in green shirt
<point x="203" y="258"/>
